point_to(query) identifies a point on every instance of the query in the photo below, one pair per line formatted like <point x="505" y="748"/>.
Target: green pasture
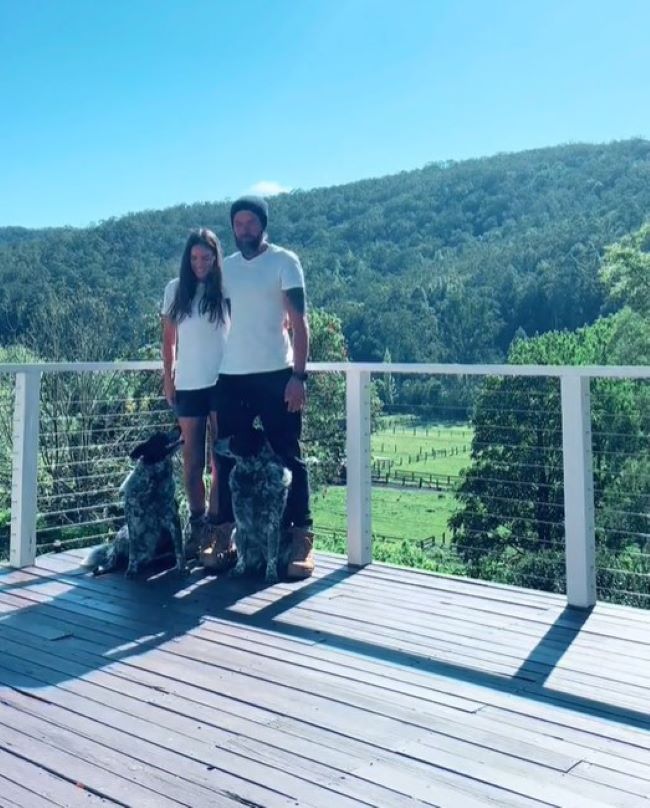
<point x="402" y="522"/>
<point x="404" y="513"/>
<point x="409" y="524"/>
<point x="408" y="514"/>
<point x="426" y="448"/>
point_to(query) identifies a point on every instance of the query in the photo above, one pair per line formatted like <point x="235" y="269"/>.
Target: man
<point x="263" y="373"/>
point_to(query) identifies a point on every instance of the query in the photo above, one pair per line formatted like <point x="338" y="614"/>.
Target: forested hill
<point x="444" y="263"/>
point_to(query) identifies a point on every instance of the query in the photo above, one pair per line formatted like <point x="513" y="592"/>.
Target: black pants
<point x="240" y="400"/>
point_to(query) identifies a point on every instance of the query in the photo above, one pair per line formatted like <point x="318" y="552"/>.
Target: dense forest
<point x="446" y="263"/>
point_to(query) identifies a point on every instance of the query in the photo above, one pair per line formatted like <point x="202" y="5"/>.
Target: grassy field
<point x="409" y="524"/>
<point x="426" y="448"/>
<point x="401" y="514"/>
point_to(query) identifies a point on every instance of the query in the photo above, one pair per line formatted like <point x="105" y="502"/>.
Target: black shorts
<point x="196" y="403"/>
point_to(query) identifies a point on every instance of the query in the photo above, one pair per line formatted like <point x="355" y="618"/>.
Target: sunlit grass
<point x="407" y="514"/>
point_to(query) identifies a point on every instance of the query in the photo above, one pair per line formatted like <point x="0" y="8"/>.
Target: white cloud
<point x="268" y="188"/>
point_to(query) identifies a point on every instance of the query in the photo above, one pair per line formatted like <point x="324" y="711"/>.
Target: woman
<point x="195" y="326"/>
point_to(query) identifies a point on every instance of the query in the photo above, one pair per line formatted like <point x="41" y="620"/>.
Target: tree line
<point x="446" y="263"/>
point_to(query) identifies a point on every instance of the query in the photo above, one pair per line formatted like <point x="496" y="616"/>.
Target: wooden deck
<point x="380" y="687"/>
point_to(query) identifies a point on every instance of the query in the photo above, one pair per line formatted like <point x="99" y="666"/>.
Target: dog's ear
<point x="248" y="443"/>
<point x="158" y="447"/>
<point x="138" y="451"/>
<point x="153" y="450"/>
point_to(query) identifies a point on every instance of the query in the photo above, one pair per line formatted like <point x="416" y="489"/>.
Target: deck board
<point x="382" y="687"/>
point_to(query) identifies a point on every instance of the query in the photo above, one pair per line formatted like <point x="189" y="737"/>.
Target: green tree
<point x="510" y="522"/>
<point x="386" y="387"/>
<point x="626" y="271"/>
<point x="324" y="423"/>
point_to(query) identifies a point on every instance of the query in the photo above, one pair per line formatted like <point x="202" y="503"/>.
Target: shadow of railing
<point x="90" y="623"/>
<point x="528" y="681"/>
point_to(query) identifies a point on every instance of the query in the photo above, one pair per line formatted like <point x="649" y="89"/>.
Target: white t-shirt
<point x="258" y="341"/>
<point x="199" y="343"/>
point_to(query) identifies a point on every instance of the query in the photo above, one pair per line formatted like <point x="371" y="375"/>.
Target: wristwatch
<point x="300" y="376"/>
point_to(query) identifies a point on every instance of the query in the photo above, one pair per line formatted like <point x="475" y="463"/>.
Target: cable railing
<point x="85" y="425"/>
<point x="538" y="478"/>
<point x="621" y="457"/>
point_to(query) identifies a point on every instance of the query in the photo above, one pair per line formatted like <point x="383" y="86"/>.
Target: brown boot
<point x="219" y="552"/>
<point x="301" y="562"/>
<point x="194" y="536"/>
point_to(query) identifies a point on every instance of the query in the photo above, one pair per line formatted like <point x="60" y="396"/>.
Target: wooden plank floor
<point x="378" y="687"/>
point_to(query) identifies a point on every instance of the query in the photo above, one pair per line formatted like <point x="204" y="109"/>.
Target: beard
<point x="249" y="245"/>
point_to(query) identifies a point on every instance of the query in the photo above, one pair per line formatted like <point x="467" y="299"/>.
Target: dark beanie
<point x="255" y="204"/>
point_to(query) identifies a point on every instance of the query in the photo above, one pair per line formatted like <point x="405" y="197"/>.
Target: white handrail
<point x="80" y="367"/>
<point x="439" y="369"/>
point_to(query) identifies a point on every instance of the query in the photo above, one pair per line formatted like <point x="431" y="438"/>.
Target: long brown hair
<point x="212" y="301"/>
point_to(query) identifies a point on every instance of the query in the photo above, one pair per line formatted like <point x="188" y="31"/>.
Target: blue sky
<point x="108" y="108"/>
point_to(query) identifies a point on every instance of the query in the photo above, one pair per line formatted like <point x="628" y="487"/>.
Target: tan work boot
<point x="194" y="537"/>
<point x="219" y="552"/>
<point x="301" y="562"/>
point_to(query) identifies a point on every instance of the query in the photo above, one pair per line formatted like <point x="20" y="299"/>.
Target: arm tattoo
<point x="296" y="298"/>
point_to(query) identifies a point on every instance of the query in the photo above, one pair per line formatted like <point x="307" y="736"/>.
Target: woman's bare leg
<point x="193" y="430"/>
<point x="213" y="501"/>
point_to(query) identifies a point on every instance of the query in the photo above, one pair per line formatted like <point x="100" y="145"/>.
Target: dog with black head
<point x="153" y="528"/>
<point x="259" y="485"/>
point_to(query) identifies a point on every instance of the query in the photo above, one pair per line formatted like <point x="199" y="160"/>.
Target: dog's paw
<point x="271" y="576"/>
<point x="181" y="562"/>
<point x="103" y="570"/>
<point x="132" y="570"/>
<point x="239" y="568"/>
<point x="180" y="568"/>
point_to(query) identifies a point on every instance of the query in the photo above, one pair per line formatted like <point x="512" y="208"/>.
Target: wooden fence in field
<point x="414" y="479"/>
<point x="424" y="544"/>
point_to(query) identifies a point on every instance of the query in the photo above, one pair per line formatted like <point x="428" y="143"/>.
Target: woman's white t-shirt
<point x="199" y="343"/>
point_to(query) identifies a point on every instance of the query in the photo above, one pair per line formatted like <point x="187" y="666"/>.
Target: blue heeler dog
<point x="259" y="484"/>
<point x="153" y="527"/>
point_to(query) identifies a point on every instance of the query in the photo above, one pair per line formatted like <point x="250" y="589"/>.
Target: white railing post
<point x="358" y="462"/>
<point x="22" y="548"/>
<point x="580" y="543"/>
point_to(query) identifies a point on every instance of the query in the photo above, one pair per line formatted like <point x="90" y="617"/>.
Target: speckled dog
<point x="153" y="527"/>
<point x="259" y="485"/>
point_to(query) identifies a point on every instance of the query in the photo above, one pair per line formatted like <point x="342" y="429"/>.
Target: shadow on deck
<point x="381" y="686"/>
